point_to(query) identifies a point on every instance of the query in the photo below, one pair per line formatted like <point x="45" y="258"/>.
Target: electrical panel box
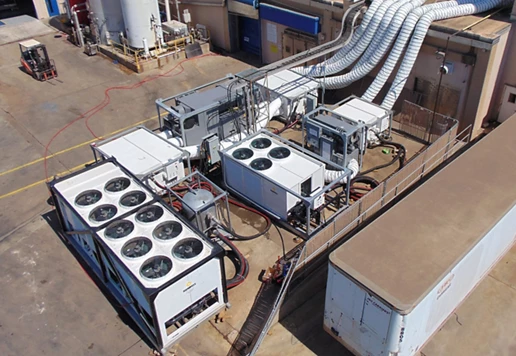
<point x="333" y="137"/>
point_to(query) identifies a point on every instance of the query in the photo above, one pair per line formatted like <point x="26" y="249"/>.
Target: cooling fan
<point x="187" y="249"/>
<point x="103" y="213"/>
<point x="261" y="143"/>
<point x="137" y="247"/>
<point x="117" y="184"/>
<point x="119" y="229"/>
<point x="156" y="267"/>
<point x="279" y="152"/>
<point x="167" y="230"/>
<point x="243" y="153"/>
<point x="261" y="164"/>
<point x="133" y="198"/>
<point x="149" y="214"/>
<point x="88" y="197"/>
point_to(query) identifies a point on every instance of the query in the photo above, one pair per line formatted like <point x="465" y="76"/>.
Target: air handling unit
<point x="280" y="178"/>
<point x="152" y="159"/>
<point x="214" y="108"/>
<point x="166" y="274"/>
<point x="298" y="94"/>
<point x="377" y="119"/>
<point x="334" y="137"/>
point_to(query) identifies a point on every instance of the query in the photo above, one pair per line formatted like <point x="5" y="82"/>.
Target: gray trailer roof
<point x="408" y="250"/>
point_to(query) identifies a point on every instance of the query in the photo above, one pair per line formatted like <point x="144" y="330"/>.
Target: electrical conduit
<point x="419" y="35"/>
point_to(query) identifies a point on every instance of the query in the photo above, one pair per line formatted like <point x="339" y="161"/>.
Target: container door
<point x="250" y="40"/>
<point x="53" y="9"/>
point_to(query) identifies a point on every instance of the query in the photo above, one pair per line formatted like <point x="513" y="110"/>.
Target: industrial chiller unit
<point x="166" y="274"/>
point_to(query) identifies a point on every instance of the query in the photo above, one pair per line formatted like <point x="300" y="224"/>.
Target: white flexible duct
<point x="330" y="176"/>
<point x="400" y="45"/>
<point x="318" y="69"/>
<point x="376" y="50"/>
<point x="344" y="59"/>
<point x="419" y="35"/>
<point x="266" y="112"/>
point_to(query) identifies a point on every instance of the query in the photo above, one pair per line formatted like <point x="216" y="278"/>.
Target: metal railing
<point x="421" y="165"/>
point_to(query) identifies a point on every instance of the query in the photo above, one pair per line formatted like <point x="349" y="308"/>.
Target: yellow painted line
<point x="75" y="147"/>
<point x="14" y="192"/>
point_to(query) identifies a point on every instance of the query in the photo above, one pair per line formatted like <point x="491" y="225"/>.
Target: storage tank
<point x="106" y="19"/>
<point x="142" y="22"/>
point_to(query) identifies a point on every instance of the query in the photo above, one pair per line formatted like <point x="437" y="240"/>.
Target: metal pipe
<point x="167" y="10"/>
<point x="78" y="31"/>
<point x="177" y="9"/>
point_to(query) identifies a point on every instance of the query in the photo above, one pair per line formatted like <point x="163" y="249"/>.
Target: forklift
<point x="34" y="58"/>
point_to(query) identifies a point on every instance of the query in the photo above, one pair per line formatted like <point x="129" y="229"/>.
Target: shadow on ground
<point x="53" y="221"/>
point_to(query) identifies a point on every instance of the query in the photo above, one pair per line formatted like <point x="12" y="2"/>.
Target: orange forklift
<point x="35" y="61"/>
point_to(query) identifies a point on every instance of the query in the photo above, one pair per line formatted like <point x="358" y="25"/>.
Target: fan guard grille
<point x="133" y="198"/>
<point x="279" y="153"/>
<point x="188" y="248"/>
<point x="243" y="153"/>
<point x="261" y="143"/>
<point x="261" y="164"/>
<point x="88" y="197"/>
<point x="156" y="267"/>
<point x="117" y="184"/>
<point x="137" y="247"/>
<point x="149" y="214"/>
<point x="119" y="229"/>
<point x="103" y="213"/>
<point x="167" y="230"/>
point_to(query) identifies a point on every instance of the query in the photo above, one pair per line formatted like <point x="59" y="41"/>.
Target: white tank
<point x="142" y="22"/>
<point x="107" y="19"/>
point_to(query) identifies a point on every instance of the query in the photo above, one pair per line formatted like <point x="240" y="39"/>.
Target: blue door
<point x="250" y="38"/>
<point x="52" y="8"/>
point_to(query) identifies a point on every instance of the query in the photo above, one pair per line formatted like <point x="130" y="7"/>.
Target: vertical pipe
<point x="167" y="10"/>
<point x="177" y="9"/>
<point x="78" y="32"/>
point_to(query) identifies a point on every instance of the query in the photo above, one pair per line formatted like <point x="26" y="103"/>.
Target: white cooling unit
<point x="267" y="172"/>
<point x="298" y="93"/>
<point x="145" y="154"/>
<point x="377" y="119"/>
<point x="167" y="275"/>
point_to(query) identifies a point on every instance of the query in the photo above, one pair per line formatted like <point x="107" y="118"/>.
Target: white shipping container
<point x="395" y="283"/>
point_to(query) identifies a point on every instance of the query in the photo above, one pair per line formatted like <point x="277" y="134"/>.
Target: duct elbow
<point x="330" y="176"/>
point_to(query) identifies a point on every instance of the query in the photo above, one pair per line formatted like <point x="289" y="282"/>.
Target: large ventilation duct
<point x="419" y="35"/>
<point x="376" y="50"/>
<point x="342" y="60"/>
<point x="318" y="69"/>
<point x="401" y="43"/>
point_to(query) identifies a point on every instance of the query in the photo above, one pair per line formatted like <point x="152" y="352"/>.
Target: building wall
<point x="507" y="74"/>
<point x="215" y="18"/>
<point x="272" y="41"/>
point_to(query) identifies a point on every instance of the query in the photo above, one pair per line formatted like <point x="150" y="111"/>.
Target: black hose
<point x="400" y="156"/>
<point x="282" y="242"/>
<point x="249" y="237"/>
<point x="240" y="262"/>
